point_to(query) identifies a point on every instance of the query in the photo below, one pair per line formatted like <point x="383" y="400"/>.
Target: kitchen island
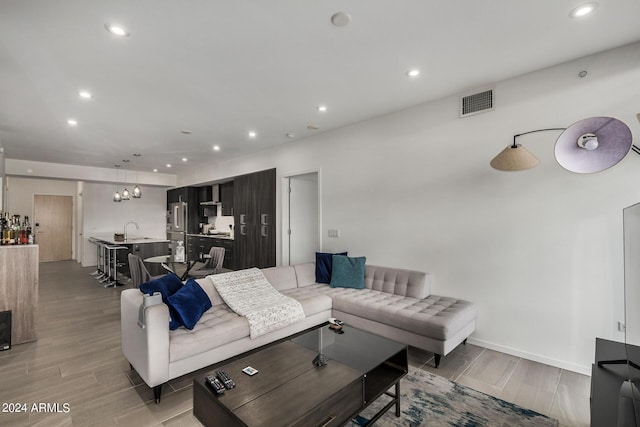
<point x="142" y="246"/>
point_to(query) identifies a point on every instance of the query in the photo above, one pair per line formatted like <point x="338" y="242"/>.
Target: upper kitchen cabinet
<point x="205" y="194"/>
<point x="226" y="198"/>
<point x="254" y="218"/>
<point x="176" y="195"/>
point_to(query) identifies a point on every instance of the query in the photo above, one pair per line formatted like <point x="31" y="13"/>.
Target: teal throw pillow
<point x="189" y="304"/>
<point x="348" y="272"/>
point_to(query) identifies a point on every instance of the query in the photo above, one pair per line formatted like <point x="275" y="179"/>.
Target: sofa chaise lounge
<point x="395" y="303"/>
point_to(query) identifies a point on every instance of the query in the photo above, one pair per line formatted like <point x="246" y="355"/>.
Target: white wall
<point x="21" y="192"/>
<point x="103" y="215"/>
<point x="539" y="251"/>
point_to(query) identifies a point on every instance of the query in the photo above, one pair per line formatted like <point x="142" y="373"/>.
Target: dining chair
<point x="213" y="264"/>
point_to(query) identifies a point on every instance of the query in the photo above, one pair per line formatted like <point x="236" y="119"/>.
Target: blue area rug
<point x="430" y="400"/>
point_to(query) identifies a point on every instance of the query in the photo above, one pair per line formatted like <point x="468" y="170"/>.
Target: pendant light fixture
<point x="117" y="197"/>
<point x="137" y="193"/>
<point x="126" y="194"/>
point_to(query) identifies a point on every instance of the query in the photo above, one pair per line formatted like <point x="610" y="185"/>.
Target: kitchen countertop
<point x="216" y="236"/>
<point x="130" y="240"/>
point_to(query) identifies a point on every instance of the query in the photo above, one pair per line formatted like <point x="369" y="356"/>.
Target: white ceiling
<point x="222" y="68"/>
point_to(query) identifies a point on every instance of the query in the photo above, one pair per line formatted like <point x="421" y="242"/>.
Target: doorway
<point x="53" y="226"/>
<point x="303" y="226"/>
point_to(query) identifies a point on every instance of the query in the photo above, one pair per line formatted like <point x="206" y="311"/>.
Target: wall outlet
<point x="622" y="327"/>
<point x="334" y="233"/>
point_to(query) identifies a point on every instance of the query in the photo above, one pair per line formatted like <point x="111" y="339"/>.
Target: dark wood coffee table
<point x="290" y="390"/>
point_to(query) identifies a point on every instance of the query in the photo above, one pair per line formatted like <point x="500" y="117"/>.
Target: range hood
<point x="215" y="196"/>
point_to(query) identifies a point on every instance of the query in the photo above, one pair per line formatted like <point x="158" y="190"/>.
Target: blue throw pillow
<point x="324" y="262"/>
<point x="189" y="303"/>
<point x="167" y="285"/>
<point x="348" y="272"/>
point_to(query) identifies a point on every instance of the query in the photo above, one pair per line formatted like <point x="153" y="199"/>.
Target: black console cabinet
<point x="607" y="379"/>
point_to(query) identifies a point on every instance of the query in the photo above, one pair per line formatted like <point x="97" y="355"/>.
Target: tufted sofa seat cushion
<point x="312" y="302"/>
<point x="434" y="316"/>
<point x="218" y="326"/>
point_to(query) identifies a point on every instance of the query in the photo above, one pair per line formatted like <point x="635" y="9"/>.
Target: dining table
<point x="168" y="262"/>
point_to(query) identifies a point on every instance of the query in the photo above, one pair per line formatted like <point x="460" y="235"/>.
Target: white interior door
<point x="304" y="231"/>
<point x="53" y="225"/>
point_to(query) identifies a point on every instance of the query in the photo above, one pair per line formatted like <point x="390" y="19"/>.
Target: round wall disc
<point x="614" y="142"/>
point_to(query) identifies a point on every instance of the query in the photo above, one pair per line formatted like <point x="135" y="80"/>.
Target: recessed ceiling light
<point x="290" y="135"/>
<point x="313" y="127"/>
<point x="322" y="108"/>
<point x="186" y="132"/>
<point x="168" y="165"/>
<point x="413" y="72"/>
<point x="216" y="148"/>
<point x="184" y="159"/>
<point x="155" y="170"/>
<point x="117" y="30"/>
<point x="252" y="134"/>
<point x="85" y="94"/>
<point x="72" y="122"/>
<point x="583" y="10"/>
<point x="340" y="19"/>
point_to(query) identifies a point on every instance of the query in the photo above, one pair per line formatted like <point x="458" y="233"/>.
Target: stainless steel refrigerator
<point x="177" y="227"/>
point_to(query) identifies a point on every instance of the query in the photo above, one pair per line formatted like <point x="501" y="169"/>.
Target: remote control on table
<point x="215" y="385"/>
<point x="224" y="378"/>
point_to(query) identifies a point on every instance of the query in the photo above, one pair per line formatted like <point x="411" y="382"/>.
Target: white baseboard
<point x="584" y="370"/>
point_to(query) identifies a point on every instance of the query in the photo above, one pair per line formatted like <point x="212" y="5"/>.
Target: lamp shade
<point x="613" y="144"/>
<point x="514" y="158"/>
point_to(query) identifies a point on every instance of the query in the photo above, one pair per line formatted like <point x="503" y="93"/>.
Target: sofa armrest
<point x="146" y="349"/>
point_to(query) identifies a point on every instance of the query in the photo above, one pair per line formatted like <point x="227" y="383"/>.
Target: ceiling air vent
<point x="476" y="103"/>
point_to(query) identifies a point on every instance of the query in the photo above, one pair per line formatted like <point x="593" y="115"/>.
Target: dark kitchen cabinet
<point x="143" y="250"/>
<point x="254" y="218"/>
<point x="176" y="195"/>
<point x="199" y="246"/>
<point x="205" y="193"/>
<point x="226" y="198"/>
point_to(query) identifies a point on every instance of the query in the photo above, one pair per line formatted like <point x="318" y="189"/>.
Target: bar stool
<point x="111" y="253"/>
<point x="102" y="265"/>
<point x="99" y="250"/>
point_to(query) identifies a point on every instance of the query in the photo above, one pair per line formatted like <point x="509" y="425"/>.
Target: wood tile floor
<point x="77" y="368"/>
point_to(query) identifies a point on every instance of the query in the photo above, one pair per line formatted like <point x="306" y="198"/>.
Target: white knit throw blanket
<point x="248" y="293"/>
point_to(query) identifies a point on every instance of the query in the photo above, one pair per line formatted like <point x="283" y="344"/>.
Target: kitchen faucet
<point x="125" y="228"/>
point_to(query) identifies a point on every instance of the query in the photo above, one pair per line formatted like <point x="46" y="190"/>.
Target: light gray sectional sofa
<point x="395" y="303"/>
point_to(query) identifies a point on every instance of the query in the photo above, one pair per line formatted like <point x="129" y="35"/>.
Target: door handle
<point x="327" y="420"/>
<point x="175" y="216"/>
